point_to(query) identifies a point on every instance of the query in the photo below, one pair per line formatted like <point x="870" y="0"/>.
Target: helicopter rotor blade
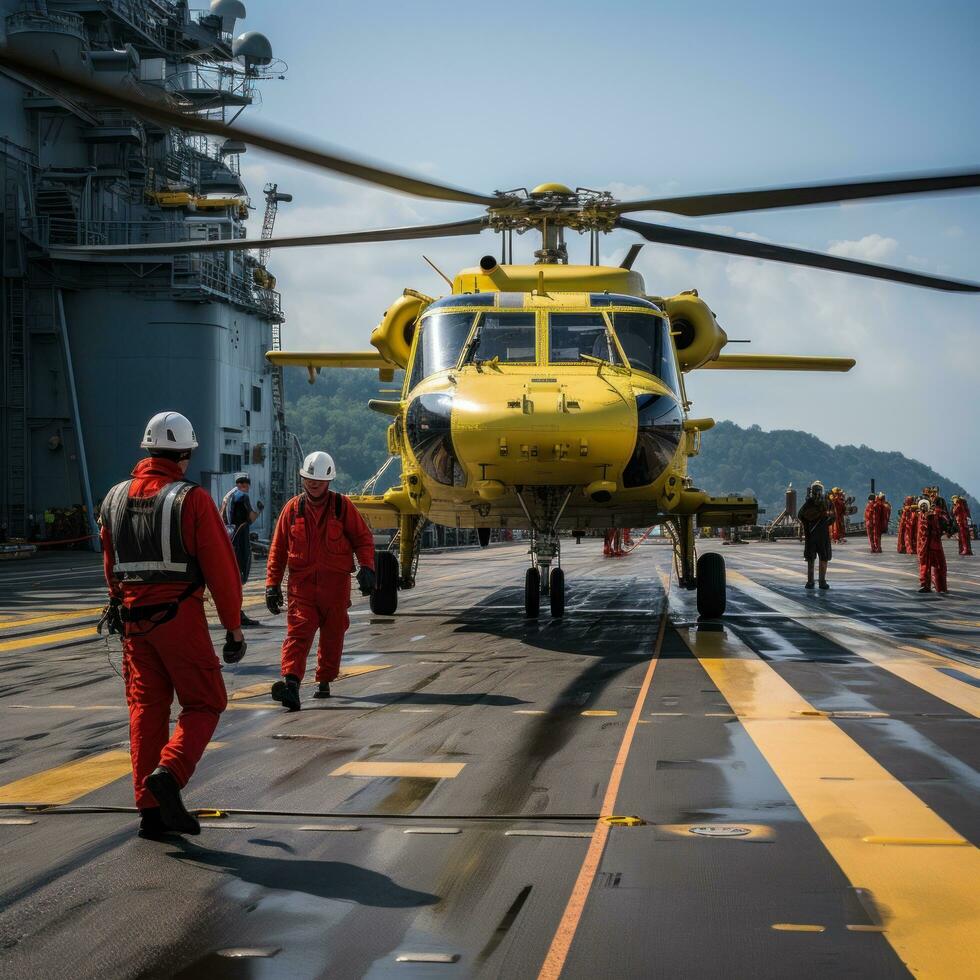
<point x="688" y="238"/>
<point x="470" y="226"/>
<point x="164" y="113"/>
<point x="764" y="199"/>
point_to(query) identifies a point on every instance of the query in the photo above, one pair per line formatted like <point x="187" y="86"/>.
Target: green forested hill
<point x="752" y="461"/>
<point x="333" y="415"/>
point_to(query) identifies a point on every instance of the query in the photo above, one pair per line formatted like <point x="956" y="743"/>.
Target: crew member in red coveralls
<point x="839" y="501"/>
<point x="884" y="516"/>
<point x="317" y="536"/>
<point x="871" y="512"/>
<point x="163" y="541"/>
<point x="912" y="529"/>
<point x="961" y="514"/>
<point x="929" y="547"/>
<point x="904" y="516"/>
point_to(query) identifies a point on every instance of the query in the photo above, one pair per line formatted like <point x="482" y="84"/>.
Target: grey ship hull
<point x="92" y="349"/>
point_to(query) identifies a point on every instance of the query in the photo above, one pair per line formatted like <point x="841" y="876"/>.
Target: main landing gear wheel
<point x="711" y="585"/>
<point x="384" y="596"/>
<point x="532" y="592"/>
<point x="557" y="592"/>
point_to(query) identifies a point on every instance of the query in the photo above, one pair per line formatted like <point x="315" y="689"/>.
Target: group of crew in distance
<point x="922" y="525"/>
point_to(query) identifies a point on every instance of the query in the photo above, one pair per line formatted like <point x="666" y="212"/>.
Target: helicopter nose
<point x="542" y="431"/>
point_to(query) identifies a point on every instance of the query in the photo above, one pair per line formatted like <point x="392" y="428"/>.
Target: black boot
<point x="925" y="588"/>
<point x="248" y="621"/>
<point x="152" y="826"/>
<point x="809" y="584"/>
<point x="173" y="813"/>
<point x="823" y="584"/>
<point x="322" y="690"/>
<point x="286" y="692"/>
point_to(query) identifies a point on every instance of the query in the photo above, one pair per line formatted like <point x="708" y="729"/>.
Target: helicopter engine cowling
<point x="696" y="333"/>
<point x="393" y="335"/>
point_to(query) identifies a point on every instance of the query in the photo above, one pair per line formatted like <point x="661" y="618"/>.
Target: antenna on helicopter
<point x="449" y="281"/>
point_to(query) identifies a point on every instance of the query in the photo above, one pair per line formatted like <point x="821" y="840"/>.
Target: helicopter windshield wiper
<point x="472" y="346"/>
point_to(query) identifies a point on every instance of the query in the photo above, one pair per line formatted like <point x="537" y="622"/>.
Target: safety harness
<point x="338" y="507"/>
<point x="148" y="549"/>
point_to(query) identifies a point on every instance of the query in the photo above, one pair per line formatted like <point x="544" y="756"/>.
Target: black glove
<point x="260" y="506"/>
<point x="111" y="618"/>
<point x="233" y="651"/>
<point x="365" y="580"/>
<point x="273" y="599"/>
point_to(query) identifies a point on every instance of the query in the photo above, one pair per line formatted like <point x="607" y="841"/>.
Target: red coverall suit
<point x="912" y="531"/>
<point x="904" y="519"/>
<point x="871" y="524"/>
<point x="929" y="547"/>
<point x="883" y="513"/>
<point x="178" y="655"/>
<point x="319" y="549"/>
<point x="840" y="505"/>
<point x="961" y="514"/>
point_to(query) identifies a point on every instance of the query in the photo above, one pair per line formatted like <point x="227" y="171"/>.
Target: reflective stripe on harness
<point x="147" y="543"/>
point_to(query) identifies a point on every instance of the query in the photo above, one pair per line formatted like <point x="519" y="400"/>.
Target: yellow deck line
<point x="929" y="892"/>
<point x="878" y="648"/>
<point x="6" y="646"/>
<point x="13" y="623"/>
<point x="416" y="770"/>
<point x="955" y="644"/>
<point x="49" y="639"/>
<point x="263" y="687"/>
<point x="64" y="784"/>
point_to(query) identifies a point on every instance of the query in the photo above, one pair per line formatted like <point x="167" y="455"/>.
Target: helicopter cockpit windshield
<point x="507" y="337"/>
<point x="645" y="339"/>
<point x="441" y="338"/>
<point x="572" y="335"/>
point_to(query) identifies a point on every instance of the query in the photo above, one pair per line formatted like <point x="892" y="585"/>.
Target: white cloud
<point x="871" y="248"/>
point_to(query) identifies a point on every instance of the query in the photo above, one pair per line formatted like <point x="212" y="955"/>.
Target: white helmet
<point x="318" y="466"/>
<point x="239" y="477"/>
<point x="169" y="430"/>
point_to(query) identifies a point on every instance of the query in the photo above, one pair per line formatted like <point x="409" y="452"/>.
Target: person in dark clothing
<point x="816" y="517"/>
<point x="238" y="515"/>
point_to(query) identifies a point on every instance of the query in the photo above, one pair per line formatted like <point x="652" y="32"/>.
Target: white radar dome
<point x="254" y="48"/>
<point x="229" y="11"/>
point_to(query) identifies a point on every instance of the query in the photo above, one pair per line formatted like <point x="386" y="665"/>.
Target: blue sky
<point x="648" y="98"/>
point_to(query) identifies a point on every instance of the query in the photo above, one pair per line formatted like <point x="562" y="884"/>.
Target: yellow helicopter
<point x="548" y="398"/>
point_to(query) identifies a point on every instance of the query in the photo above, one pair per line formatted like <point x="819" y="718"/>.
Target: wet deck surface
<point x="830" y="739"/>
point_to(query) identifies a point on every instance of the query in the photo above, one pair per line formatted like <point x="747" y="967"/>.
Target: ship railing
<point x="53" y="22"/>
<point x="46" y="231"/>
<point x="152" y="19"/>
<point x="189" y="78"/>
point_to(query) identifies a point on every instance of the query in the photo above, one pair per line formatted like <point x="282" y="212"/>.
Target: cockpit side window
<point x="645" y="340"/>
<point x="509" y="337"/>
<point x="441" y="338"/>
<point x="570" y="335"/>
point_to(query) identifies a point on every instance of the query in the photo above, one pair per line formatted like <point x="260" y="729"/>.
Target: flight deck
<point x="626" y="791"/>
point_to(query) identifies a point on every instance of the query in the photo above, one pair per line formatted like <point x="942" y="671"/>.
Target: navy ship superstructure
<point x="92" y="347"/>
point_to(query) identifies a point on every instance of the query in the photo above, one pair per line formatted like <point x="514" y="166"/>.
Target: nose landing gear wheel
<point x="483" y="536"/>
<point x="532" y="592"/>
<point x="384" y="597"/>
<point x="711" y="585"/>
<point x="557" y="592"/>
